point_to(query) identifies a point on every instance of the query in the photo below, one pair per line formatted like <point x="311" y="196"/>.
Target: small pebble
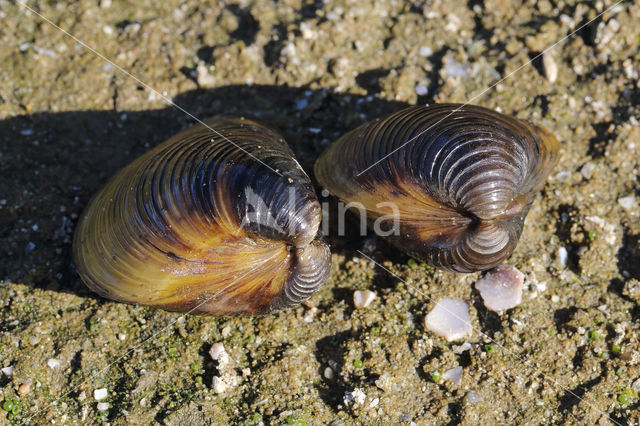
<point x="218" y="353"/>
<point x="99" y="394"/>
<point x="472" y="397"/>
<point x="122" y="336"/>
<point x="218" y="385"/>
<point x="103" y="406"/>
<point x="550" y="67"/>
<point x="454" y="375"/>
<point x="354" y="397"/>
<point x="8" y="370"/>
<point x="53" y="363"/>
<point x="627" y="203"/>
<point x="562" y="256"/>
<point x="362" y="299"/>
<point x="587" y="170"/>
<point x="33" y="340"/>
<point x="29" y="248"/>
<point x="501" y="288"/>
<point x="425" y="51"/>
<point x="449" y="319"/>
<point x="24" y="389"/>
<point x="328" y="373"/>
<point x="422" y="90"/>
<point x="374" y="403"/>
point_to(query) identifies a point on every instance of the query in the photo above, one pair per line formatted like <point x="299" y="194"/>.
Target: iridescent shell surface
<point x="202" y="225"/>
<point x="461" y="180"/>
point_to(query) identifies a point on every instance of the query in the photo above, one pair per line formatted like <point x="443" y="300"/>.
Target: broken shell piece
<point x="449" y="319"/>
<point x="501" y="289"/>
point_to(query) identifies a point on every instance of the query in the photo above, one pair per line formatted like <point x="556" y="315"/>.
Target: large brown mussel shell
<point x="458" y="180"/>
<point x="205" y="225"/>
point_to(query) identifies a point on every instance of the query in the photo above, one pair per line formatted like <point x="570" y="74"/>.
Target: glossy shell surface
<point x="202" y="225"/>
<point x="457" y="180"/>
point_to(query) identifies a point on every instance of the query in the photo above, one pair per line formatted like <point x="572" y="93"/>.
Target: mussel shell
<point x="205" y="225"/>
<point x="461" y="177"/>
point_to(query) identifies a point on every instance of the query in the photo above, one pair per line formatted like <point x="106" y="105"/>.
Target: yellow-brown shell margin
<point x="206" y="224"/>
<point x="462" y="179"/>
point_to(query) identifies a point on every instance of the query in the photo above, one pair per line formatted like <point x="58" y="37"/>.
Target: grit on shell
<point x="570" y="353"/>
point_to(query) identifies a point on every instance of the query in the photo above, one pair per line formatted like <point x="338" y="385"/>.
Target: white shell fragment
<point x="53" y="363"/>
<point x="627" y="202"/>
<point x="99" y="394"/>
<point x="454" y="375"/>
<point x="8" y="370"/>
<point x="501" y="289"/>
<point x="354" y="397"/>
<point x="362" y="299"/>
<point x="449" y="319"/>
<point x="103" y="406"/>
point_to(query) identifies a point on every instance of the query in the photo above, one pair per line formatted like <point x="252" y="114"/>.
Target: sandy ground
<point x="570" y="353"/>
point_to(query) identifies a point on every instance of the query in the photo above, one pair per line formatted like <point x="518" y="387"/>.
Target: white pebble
<point x="501" y="288"/>
<point x="219" y="353"/>
<point x="99" y="394"/>
<point x="627" y="203"/>
<point x="354" y="397"/>
<point x="636" y="385"/>
<point x="562" y="256"/>
<point x="218" y="385"/>
<point x="374" y="403"/>
<point x="362" y="299"/>
<point x="422" y="90"/>
<point x="8" y="370"/>
<point x="550" y="67"/>
<point x="107" y="30"/>
<point x="472" y="397"/>
<point x="425" y="51"/>
<point x="587" y="170"/>
<point x="103" y="406"/>
<point x="449" y="319"/>
<point x="53" y="363"/>
<point x="328" y="373"/>
<point x="122" y="336"/>
<point x="33" y="340"/>
<point x="454" y="375"/>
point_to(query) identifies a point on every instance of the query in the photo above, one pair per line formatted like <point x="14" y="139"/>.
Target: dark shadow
<point x="331" y="348"/>
<point x="248" y="26"/>
<point x="598" y="144"/>
<point x="629" y="254"/>
<point x="561" y="317"/>
<point x="575" y="396"/>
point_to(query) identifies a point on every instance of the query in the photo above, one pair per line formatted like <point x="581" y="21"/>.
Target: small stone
<point x="99" y="394"/>
<point x="29" y="248"/>
<point x="53" y="363"/>
<point x="82" y="396"/>
<point x="562" y="256"/>
<point x="218" y="385"/>
<point x="449" y="319"/>
<point x="627" y="203"/>
<point x="454" y="375"/>
<point x="107" y="30"/>
<point x="203" y="77"/>
<point x="374" y="403"/>
<point x="219" y="353"/>
<point x="328" y="373"/>
<point x="24" y="389"/>
<point x="422" y="90"/>
<point x="122" y="336"/>
<point x="501" y="288"/>
<point x="33" y="340"/>
<point x="362" y="299"/>
<point x="453" y="68"/>
<point x="472" y="397"/>
<point x="587" y="170"/>
<point x="354" y="397"/>
<point x="636" y="385"/>
<point x="103" y="406"/>
<point x="425" y="51"/>
<point x="550" y="67"/>
<point x="8" y="370"/>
